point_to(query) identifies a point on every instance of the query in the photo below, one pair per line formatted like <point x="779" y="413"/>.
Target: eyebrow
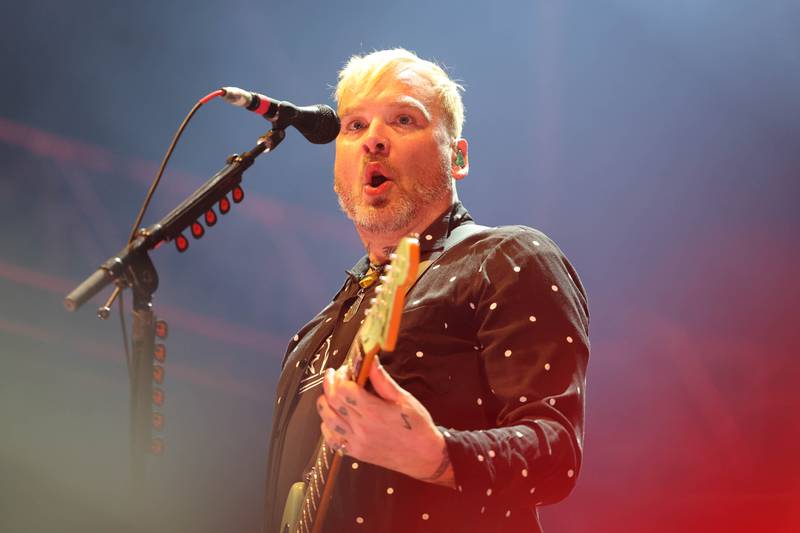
<point x="402" y="102"/>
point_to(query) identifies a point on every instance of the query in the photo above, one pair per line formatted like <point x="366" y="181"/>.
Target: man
<point x="476" y="418"/>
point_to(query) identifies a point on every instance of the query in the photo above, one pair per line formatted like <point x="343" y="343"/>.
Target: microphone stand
<point x="132" y="267"/>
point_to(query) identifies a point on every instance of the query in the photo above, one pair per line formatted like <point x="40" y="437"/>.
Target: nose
<point x="376" y="142"/>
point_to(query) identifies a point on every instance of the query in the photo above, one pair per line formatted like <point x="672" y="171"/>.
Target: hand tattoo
<point x="343" y="410"/>
<point x="340" y="430"/>
<point x="406" y="423"/>
<point x="349" y="400"/>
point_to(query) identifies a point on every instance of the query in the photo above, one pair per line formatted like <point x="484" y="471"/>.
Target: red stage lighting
<point x="224" y="205"/>
<point x="160" y="353"/>
<point x="197" y="230"/>
<point x="181" y="243"/>
<point x="158" y="421"/>
<point x="161" y="329"/>
<point x="211" y="218"/>
<point x="238" y="194"/>
<point x="158" y="397"/>
<point x="157" y="446"/>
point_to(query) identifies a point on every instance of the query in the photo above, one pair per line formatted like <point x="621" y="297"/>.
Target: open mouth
<point x="376" y="182"/>
<point x="377" y="179"/>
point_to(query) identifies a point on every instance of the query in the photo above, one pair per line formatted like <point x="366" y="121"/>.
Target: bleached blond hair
<point x="362" y="73"/>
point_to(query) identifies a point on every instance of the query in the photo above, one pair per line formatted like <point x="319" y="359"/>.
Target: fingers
<point x="386" y="387"/>
<point x="333" y="420"/>
<point x="343" y="396"/>
<point x="333" y="440"/>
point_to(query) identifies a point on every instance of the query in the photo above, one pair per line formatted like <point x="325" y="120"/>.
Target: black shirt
<point x="494" y="343"/>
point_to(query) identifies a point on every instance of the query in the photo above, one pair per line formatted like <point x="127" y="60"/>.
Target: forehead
<point x="401" y="85"/>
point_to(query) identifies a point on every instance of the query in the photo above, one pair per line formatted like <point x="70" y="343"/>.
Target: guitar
<point x="307" y="502"/>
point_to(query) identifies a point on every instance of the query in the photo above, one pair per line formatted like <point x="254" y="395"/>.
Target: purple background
<point x="656" y="142"/>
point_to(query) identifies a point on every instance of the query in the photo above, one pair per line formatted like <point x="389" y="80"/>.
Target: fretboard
<point x="322" y="475"/>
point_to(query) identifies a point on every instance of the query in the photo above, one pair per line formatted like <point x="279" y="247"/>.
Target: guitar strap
<point x="458" y="234"/>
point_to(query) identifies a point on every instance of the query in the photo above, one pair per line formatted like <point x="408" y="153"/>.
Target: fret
<point x="304" y="519"/>
<point x="315" y="486"/>
<point x="314" y="503"/>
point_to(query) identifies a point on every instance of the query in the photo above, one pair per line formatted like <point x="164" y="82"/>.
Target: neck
<point x="380" y="245"/>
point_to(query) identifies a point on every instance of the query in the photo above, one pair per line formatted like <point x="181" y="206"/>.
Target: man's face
<point x="393" y="154"/>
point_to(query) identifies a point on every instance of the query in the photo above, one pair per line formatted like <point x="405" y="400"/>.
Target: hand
<point x="392" y="429"/>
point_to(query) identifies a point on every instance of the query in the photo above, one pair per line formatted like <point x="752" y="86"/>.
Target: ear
<point x="460" y="159"/>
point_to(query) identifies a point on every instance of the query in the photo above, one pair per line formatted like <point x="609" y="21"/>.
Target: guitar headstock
<point x="382" y="320"/>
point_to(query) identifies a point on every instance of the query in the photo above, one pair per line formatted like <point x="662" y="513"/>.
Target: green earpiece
<point x="460" y="159"/>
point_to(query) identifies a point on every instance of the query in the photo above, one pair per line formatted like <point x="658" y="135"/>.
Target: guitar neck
<point x="378" y="331"/>
<point x="322" y="476"/>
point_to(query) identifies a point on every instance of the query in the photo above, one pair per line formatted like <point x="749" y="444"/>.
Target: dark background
<point x="656" y="142"/>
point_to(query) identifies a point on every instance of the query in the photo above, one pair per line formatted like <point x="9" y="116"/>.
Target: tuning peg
<point x="392" y="256"/>
<point x="387" y="268"/>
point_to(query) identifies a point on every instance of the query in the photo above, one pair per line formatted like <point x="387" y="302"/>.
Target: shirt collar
<point x="431" y="240"/>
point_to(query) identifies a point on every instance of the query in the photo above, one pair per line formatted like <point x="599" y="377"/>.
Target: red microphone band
<point x="259" y="104"/>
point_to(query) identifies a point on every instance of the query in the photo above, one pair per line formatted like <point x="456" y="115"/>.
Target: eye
<point x="405" y="120"/>
<point x="355" y="125"/>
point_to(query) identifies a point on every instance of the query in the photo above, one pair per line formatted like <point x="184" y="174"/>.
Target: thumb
<point x="385" y="386"/>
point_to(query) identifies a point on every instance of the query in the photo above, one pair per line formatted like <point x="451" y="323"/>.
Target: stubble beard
<point x="391" y="216"/>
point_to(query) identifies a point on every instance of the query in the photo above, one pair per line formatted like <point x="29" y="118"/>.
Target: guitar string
<point x="313" y="493"/>
<point x="355" y="355"/>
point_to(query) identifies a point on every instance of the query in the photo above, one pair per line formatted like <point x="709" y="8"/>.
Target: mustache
<point x="381" y="160"/>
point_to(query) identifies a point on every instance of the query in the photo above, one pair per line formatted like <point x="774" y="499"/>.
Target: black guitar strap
<point x="458" y="234"/>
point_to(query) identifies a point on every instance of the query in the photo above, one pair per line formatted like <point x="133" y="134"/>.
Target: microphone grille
<point x="326" y="126"/>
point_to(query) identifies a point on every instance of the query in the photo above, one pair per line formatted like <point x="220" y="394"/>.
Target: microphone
<point x="318" y="123"/>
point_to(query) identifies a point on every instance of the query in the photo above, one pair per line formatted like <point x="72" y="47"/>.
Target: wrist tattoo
<point x="406" y="423"/>
<point x="441" y="469"/>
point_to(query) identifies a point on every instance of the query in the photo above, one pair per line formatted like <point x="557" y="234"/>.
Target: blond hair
<point x="363" y="72"/>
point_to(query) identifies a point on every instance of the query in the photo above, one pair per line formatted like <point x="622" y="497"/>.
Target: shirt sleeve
<point x="531" y="318"/>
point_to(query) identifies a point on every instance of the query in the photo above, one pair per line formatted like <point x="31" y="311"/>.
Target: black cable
<point x="165" y="160"/>
<point x="128" y="360"/>
<point x="146" y="204"/>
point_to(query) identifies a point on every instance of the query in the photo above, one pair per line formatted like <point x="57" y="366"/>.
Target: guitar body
<point x="307" y="503"/>
<point x="293" y="507"/>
